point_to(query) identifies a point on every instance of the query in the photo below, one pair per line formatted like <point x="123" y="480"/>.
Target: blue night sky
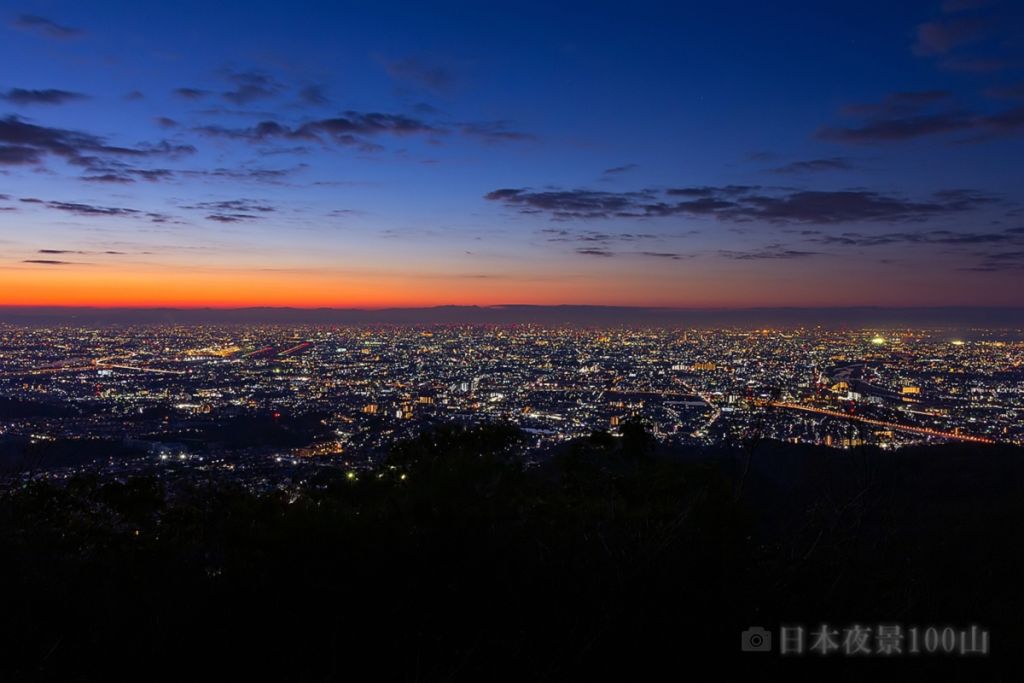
<point x="377" y="154"/>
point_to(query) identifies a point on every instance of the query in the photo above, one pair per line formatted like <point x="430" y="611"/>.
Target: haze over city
<point x="362" y="155"/>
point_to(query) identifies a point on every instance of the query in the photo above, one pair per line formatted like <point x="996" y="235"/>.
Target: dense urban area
<point x="478" y="502"/>
<point x="257" y="400"/>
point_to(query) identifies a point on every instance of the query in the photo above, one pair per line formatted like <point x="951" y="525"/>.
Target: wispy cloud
<point x="944" y="237"/>
<point x="590" y="251"/>
<point x="249" y="86"/>
<point x="22" y="96"/>
<point x="739" y="204"/>
<point x="919" y="124"/>
<point x="45" y="27"/>
<point x="191" y="93"/>
<point x="351" y="129"/>
<point x="942" y="35"/>
<point x="422" y="72"/>
<point x="816" y="166"/>
<point x="81" y="149"/>
<point x="95" y="210"/>
<point x="905" y="103"/>
<point x="495" y="131"/>
<point x="313" y="95"/>
<point x="618" y="170"/>
<point x="770" y="253"/>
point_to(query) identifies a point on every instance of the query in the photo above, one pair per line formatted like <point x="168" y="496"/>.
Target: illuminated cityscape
<point x="466" y="341"/>
<point x="203" y="395"/>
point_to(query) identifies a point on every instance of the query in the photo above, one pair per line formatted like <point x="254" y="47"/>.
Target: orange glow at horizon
<point x="144" y="286"/>
<point x="69" y="286"/>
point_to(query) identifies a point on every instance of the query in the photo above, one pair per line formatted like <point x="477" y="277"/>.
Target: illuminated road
<point x="716" y="411"/>
<point x="101" y="363"/>
<point x="139" y="368"/>
<point x="924" y="431"/>
<point x="296" y="348"/>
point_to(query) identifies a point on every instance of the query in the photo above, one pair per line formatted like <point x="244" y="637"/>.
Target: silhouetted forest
<point x="612" y="558"/>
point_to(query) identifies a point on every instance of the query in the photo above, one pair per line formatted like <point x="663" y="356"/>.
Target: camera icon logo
<point x="756" y="639"/>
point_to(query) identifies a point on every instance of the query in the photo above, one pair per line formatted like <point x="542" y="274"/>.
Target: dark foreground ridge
<point x="856" y="316"/>
<point x="609" y="560"/>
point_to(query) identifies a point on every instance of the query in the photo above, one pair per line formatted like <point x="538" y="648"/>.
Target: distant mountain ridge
<point x="858" y="316"/>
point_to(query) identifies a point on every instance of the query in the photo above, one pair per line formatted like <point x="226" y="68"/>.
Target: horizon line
<point x="626" y="307"/>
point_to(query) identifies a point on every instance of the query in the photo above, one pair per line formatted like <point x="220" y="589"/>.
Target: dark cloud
<point x="910" y="115"/>
<point x="422" y="72"/>
<point x="346" y="130"/>
<point x="617" y="170"/>
<point x="940" y="36"/>
<point x="14" y="155"/>
<point x="976" y="65"/>
<point x="261" y="132"/>
<point x="661" y="254"/>
<point x="48" y="262"/>
<point x="899" y="104"/>
<point x="1011" y="121"/>
<point x="963" y="5"/>
<point x="569" y="204"/>
<point x="231" y="217"/>
<point x="982" y="37"/>
<point x="191" y="93"/>
<point x="708" y="191"/>
<point x="773" y="252"/>
<point x="367" y="123"/>
<point x="165" y="122"/>
<point x="999" y="261"/>
<point x="591" y="236"/>
<point x="165" y="148"/>
<point x="265" y="175"/>
<point x="78" y="148"/>
<point x="250" y="86"/>
<point x="495" y="131"/>
<point x="92" y="210"/>
<point x="354" y="128"/>
<point x="740" y="204"/>
<point x="908" y="128"/>
<point x="816" y="165"/>
<point x="942" y="237"/>
<point x="45" y="27"/>
<point x="79" y="252"/>
<point x="135" y="96"/>
<point x="153" y="175"/>
<point x="822" y="207"/>
<point x="109" y="178"/>
<point x="22" y="96"/>
<point x="1007" y="92"/>
<point x="234" y="206"/>
<point x="313" y="95"/>
<point x="595" y="252"/>
<point x="980" y="127"/>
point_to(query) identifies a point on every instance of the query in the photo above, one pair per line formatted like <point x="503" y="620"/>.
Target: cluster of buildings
<point x="284" y="394"/>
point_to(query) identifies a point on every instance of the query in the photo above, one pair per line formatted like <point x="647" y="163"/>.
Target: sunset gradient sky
<point x="368" y="154"/>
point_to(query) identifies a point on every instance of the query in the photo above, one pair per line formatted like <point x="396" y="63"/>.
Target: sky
<point x="369" y="154"/>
